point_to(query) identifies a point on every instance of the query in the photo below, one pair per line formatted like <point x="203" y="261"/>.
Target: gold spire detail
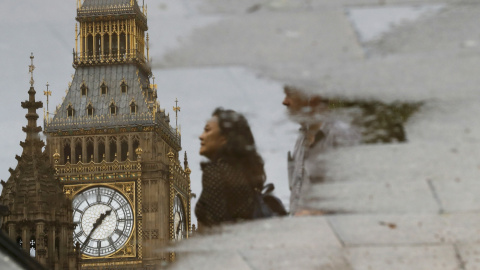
<point x="176" y="109"/>
<point x="148" y="48"/>
<point x="31" y="68"/>
<point x="47" y="93"/>
<point x="76" y="38"/>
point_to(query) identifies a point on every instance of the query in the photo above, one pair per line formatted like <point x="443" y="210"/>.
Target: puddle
<point x="200" y="91"/>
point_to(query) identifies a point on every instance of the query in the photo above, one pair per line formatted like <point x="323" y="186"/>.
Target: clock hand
<point x="99" y="220"/>
<point x="97" y="223"/>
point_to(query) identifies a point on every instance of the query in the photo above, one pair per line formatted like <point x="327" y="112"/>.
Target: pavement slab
<point x="361" y="230"/>
<point x="273" y="38"/>
<point x="305" y="232"/>
<point x="408" y="196"/>
<point x="297" y="258"/>
<point x="469" y="254"/>
<point x="438" y="257"/>
<point x="442" y="32"/>
<point x="389" y="79"/>
<point x="279" y="243"/>
<point x="458" y="194"/>
<point x="210" y="261"/>
<point x="250" y="6"/>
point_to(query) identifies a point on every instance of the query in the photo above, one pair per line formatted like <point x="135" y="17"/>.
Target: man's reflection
<point x="319" y="132"/>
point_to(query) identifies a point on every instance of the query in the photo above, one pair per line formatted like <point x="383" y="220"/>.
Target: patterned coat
<point x="226" y="194"/>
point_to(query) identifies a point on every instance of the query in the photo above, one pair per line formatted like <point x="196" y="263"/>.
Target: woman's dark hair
<point x="240" y="150"/>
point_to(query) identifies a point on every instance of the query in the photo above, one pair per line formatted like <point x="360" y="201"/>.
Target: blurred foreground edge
<point x="13" y="258"/>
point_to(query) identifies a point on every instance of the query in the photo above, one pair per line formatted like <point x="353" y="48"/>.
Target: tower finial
<point x="185" y="160"/>
<point x="76" y="39"/>
<point x="31" y="67"/>
<point x="31" y="144"/>
<point x="148" y="48"/>
<point x="176" y="109"/>
<point x="47" y="93"/>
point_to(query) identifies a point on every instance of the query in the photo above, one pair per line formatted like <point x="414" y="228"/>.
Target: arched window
<point x="78" y="151"/>
<point x="89" y="149"/>
<point x="70" y="111"/>
<point x="98" y="45"/>
<point x="20" y="241"/>
<point x="90" y="45"/>
<point x="136" y="144"/>
<point x="133" y="107"/>
<point x="101" y="150"/>
<point x="84" y="89"/>
<point x="106" y="44"/>
<point x="33" y="246"/>
<point x="103" y="88"/>
<point x="67" y="152"/>
<point x="90" y="110"/>
<point x="114" y="44"/>
<point x="113" y="109"/>
<point x="124" y="87"/>
<point x="113" y="149"/>
<point x="124" y="149"/>
<point x="123" y="44"/>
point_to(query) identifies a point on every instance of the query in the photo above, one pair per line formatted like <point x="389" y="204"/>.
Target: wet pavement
<point x="409" y="205"/>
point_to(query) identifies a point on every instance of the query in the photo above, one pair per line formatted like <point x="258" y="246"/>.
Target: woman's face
<point x="211" y="139"/>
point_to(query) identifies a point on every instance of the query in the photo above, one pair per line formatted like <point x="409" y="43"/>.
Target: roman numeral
<point x="110" y="241"/>
<point x="121" y="206"/>
<point x="85" y="199"/>
<point x="124" y="219"/>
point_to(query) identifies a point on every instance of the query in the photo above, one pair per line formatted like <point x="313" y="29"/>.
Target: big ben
<point x="112" y="146"/>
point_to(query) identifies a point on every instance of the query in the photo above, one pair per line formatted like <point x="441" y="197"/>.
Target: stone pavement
<point x="410" y="205"/>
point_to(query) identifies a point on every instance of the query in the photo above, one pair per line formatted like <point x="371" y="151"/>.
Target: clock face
<point x="179" y="224"/>
<point x="104" y="219"/>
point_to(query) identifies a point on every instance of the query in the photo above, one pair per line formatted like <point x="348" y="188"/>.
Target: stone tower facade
<point x="40" y="218"/>
<point x="113" y="148"/>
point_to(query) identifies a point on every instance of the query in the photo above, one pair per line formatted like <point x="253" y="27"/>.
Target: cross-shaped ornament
<point x="176" y="109"/>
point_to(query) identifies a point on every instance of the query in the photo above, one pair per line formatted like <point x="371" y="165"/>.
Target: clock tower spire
<point x="113" y="147"/>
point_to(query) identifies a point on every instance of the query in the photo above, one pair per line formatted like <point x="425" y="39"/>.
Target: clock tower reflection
<point x="112" y="146"/>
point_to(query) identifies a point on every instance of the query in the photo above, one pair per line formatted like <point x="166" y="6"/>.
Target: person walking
<point x="319" y="132"/>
